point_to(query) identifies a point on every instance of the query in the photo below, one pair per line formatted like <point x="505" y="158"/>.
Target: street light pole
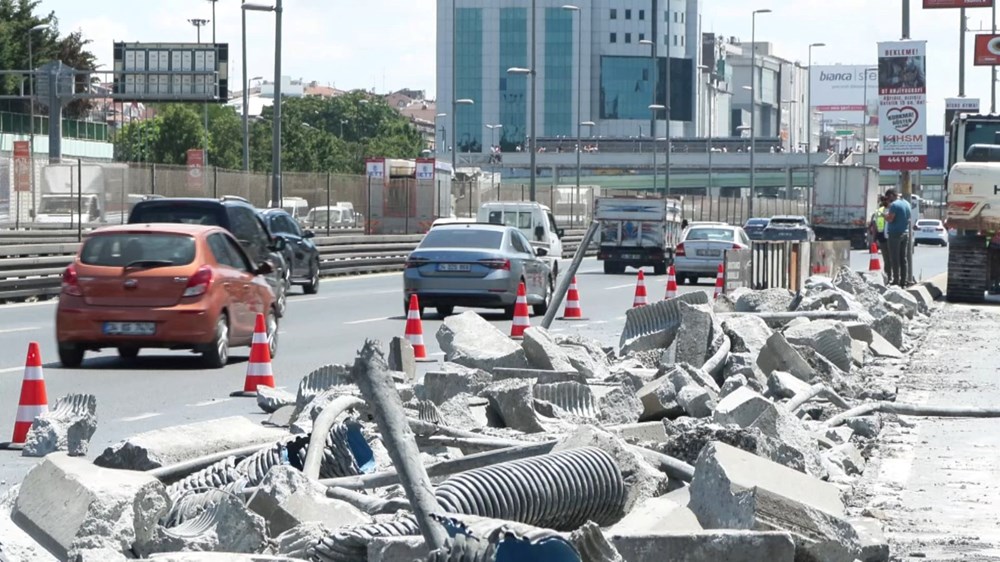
<point x="753" y="105"/>
<point x="534" y="100"/>
<point x="31" y="111"/>
<point x="276" y="122"/>
<point x="667" y="102"/>
<point x="531" y="148"/>
<point x="809" y="112"/>
<point x="653" y="106"/>
<point x="579" y="92"/>
<point x="454" y="133"/>
<point x="198" y="23"/>
<point x="493" y="162"/>
<point x="246" y="91"/>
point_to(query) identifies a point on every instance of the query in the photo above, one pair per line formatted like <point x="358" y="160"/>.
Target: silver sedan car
<point x="479" y="266"/>
<point x="703" y="248"/>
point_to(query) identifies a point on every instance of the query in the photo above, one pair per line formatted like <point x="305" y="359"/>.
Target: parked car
<point x="930" y="231"/>
<point x="477" y="265"/>
<point x="788" y="228"/>
<point x="300" y="252"/>
<point x="336" y="216"/>
<point x="703" y="248"/>
<point x="172" y="286"/>
<point x="755" y="227"/>
<point x="236" y="215"/>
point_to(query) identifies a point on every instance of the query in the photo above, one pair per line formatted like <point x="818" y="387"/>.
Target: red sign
<point x="907" y="162"/>
<point x="987" y="50"/>
<point x="22" y="166"/>
<point x="196" y="168"/>
<point x="958" y="4"/>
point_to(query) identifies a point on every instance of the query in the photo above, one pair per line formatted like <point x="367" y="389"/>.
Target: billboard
<point x="841" y="92"/>
<point x="195" y="168"/>
<point x="987" y="51"/>
<point x="928" y="4"/>
<point x="170" y="72"/>
<point x="22" y="166"/>
<point x="425" y="169"/>
<point x="902" y="89"/>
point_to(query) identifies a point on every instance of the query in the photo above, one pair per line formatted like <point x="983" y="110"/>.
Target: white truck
<point x="64" y="201"/>
<point x="534" y="220"/>
<point x="637" y="232"/>
<point x="844" y="200"/>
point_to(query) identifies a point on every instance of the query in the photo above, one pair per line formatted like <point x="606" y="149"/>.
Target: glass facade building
<point x="560" y="41"/>
<point x="469" y="79"/>
<point x="513" y="87"/>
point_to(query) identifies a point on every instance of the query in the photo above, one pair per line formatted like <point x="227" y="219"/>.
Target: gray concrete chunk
<point x="542" y="351"/>
<point x="468" y="339"/>
<point x="747" y="333"/>
<point x="440" y="386"/>
<point x="882" y="348"/>
<point x="829" y="338"/>
<point x="666" y="514"/>
<point x="164" y="447"/>
<point x="779" y="355"/>
<point x="903" y="298"/>
<point x="695" y="334"/>
<point x="659" y="400"/>
<point x="68" y="426"/>
<point x="513" y="404"/>
<point x="69" y="504"/>
<point x="620" y="405"/>
<point x="768" y="300"/>
<point x="706" y="546"/>
<point x="401" y="357"/>
<point x="890" y="327"/>
<point x="696" y="401"/>
<point x="742" y="407"/>
<point x="287" y="498"/>
<point x="874" y="546"/>
<point x="784" y="385"/>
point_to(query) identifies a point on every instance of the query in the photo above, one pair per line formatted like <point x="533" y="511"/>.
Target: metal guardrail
<point x="787" y="265"/>
<point x="35" y="269"/>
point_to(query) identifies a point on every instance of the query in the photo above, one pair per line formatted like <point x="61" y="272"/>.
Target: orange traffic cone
<point x="720" y="280"/>
<point x="259" y="367"/>
<point x="874" y="264"/>
<point x="671" y="283"/>
<point x="573" y="311"/>
<point x="34" y="401"/>
<point x="521" y="317"/>
<point x="640" y="291"/>
<point x="414" y="332"/>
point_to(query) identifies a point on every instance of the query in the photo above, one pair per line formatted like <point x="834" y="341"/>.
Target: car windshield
<point x="756" y="222"/>
<point x="187" y="214"/>
<point x="929" y="223"/>
<point x="710" y="234"/>
<point x="319" y="217"/>
<point x="59" y="205"/>
<point x="787" y="221"/>
<point x="129" y="248"/>
<point x="462" y="238"/>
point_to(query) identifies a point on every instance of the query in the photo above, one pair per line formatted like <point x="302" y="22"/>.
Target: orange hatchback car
<point x="168" y="286"/>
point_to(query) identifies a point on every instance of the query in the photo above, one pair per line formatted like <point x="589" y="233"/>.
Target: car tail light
<point x="415" y="262"/>
<point x="199" y="282"/>
<point x="680" y="250"/>
<point x="496" y="264"/>
<point x="737" y="247"/>
<point x="939" y="229"/>
<point x="71" y="282"/>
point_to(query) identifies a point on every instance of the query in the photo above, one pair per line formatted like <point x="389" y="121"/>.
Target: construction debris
<point x="68" y="426"/>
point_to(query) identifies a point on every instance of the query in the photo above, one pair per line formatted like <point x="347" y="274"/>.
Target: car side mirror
<point x="308" y="234"/>
<point x="279" y="244"/>
<point x="539" y="232"/>
<point x="264" y="268"/>
<point x="541" y="252"/>
<point x="560" y="232"/>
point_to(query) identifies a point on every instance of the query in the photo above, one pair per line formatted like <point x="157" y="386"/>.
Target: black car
<point x="793" y="228"/>
<point x="236" y="215"/>
<point x="300" y="251"/>
<point x="755" y="227"/>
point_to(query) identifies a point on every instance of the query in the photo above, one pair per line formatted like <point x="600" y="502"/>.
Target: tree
<point x="136" y="140"/>
<point x="225" y="148"/>
<point x="181" y="129"/>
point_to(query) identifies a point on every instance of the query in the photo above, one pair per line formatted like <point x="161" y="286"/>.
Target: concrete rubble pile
<point x="700" y="437"/>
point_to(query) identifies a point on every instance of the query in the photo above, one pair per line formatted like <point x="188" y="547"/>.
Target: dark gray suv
<point x="236" y="215"/>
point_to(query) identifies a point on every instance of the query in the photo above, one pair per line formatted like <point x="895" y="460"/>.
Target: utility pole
<point x="534" y="101"/>
<point x="198" y="23"/>
<point x="904" y="176"/>
<point x="993" y="69"/>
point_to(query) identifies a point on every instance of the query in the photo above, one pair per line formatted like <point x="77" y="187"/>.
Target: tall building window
<point x="628" y="37"/>
<point x="628" y="14"/>
<point x="559" y="68"/>
<point x="614" y="13"/>
<point x="614" y="37"/>
<point x="642" y="14"/>
<point x="513" y="87"/>
<point x="468" y="80"/>
<point x="642" y="37"/>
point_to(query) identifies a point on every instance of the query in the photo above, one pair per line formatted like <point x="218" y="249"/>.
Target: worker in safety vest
<point x="880" y="232"/>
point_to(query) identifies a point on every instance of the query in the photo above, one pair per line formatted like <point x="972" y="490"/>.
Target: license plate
<point x="926" y="230"/>
<point x="708" y="253"/>
<point x="454" y="267"/>
<point x="129" y="328"/>
<point x="630" y="256"/>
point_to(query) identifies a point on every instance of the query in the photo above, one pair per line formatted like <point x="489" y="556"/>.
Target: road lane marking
<point x="209" y="402"/>
<point x="28" y="304"/>
<point x="145" y="416"/>
<point x="25" y="329"/>
<point x="366" y="321"/>
<point x="11" y="369"/>
<point x="616" y="287"/>
<point x="309" y="299"/>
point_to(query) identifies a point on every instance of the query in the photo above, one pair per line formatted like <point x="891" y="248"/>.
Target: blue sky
<point x="390" y="44"/>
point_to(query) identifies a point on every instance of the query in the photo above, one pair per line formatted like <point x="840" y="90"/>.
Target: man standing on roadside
<point x="897" y="233"/>
<point x="880" y="232"/>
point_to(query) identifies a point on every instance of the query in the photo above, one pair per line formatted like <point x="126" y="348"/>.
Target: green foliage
<point x="318" y="135"/>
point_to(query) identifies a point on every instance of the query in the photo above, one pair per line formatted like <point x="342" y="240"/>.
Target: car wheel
<point x="660" y="269"/>
<point x="312" y="287"/>
<point x="216" y="356"/>
<point x="445" y="310"/>
<point x="692" y="280"/>
<point x="541" y="308"/>
<point x="71" y="356"/>
<point x="272" y="333"/>
<point x="128" y="352"/>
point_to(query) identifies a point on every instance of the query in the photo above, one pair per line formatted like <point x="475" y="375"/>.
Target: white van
<point x="534" y="220"/>
<point x="295" y="206"/>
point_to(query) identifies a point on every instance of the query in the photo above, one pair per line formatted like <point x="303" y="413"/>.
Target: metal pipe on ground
<point x="444" y="468"/>
<point x="371" y="373"/>
<point x="814" y="391"/>
<point x="912" y="410"/>
<point x="321" y="429"/>
<point x="182" y="469"/>
<point x="560" y="294"/>
<point x="786" y="316"/>
<point x="369" y="504"/>
<point x="674" y="468"/>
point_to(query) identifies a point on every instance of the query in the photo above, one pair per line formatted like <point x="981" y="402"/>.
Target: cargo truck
<point x="843" y="202"/>
<point x="637" y="232"/>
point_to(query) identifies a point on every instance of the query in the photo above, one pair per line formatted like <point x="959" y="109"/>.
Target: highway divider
<point x="35" y="269"/>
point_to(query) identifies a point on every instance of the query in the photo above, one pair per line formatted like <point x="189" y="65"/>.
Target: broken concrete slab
<point x="542" y="351"/>
<point x="586" y="355"/>
<point x="164" y="447"/>
<point x="839" y="435"/>
<point x="903" y="298"/>
<point x="287" y="498"/>
<point x="659" y="400"/>
<point x="465" y="411"/>
<point x="859" y="331"/>
<point x="619" y="405"/>
<point x="874" y="546"/>
<point x="691" y="344"/>
<point x="829" y="338"/>
<point x="513" y="405"/>
<point x="655" y="326"/>
<point x="779" y="355"/>
<point x="866" y="426"/>
<point x="225" y="525"/>
<point x="401" y="357"/>
<point x="540" y="376"/>
<point x="642" y="432"/>
<point x="767" y="300"/>
<point x="397" y="549"/>
<point x="745" y="364"/>
<point x="785" y="385"/>
<point x="706" y="546"/>
<point x="882" y="348"/>
<point x="923" y="296"/>
<point x="732" y="384"/>
<point x="733" y="489"/>
<point x="298" y="541"/>
<point x="847" y="457"/>
<point x="221" y="557"/>
<point x="270" y="400"/>
<point x="890" y="327"/>
<point x="742" y="408"/>
<point x="859" y="351"/>
<point x="97" y="507"/>
<point x="440" y="386"/>
<point x="666" y="514"/>
<point x="696" y="401"/>
<point x="747" y="333"/>
<point x="468" y="339"/>
<point x="68" y="426"/>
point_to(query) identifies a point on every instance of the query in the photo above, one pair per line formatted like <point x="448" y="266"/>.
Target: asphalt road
<point x="162" y="388"/>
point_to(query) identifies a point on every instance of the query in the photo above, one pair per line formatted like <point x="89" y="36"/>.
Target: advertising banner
<point x="22" y="166"/>
<point x="987" y="50"/>
<point x="425" y="169"/>
<point x="196" y="168"/>
<point x="375" y="169"/>
<point x="840" y="92"/>
<point x="929" y="4"/>
<point x="902" y="89"/>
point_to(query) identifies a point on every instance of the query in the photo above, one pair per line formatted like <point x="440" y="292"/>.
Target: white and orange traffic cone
<point x="414" y="332"/>
<point x="671" y="283"/>
<point x="34" y="400"/>
<point x="522" y="319"/>
<point x="573" y="311"/>
<point x="259" y="367"/>
<point x="720" y="281"/>
<point x="874" y="263"/>
<point x="640" y="291"/>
